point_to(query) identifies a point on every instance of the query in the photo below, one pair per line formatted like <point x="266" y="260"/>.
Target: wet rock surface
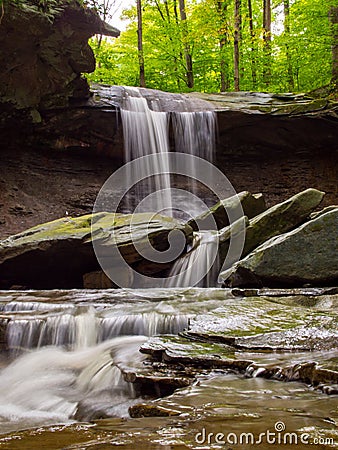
<point x="241" y="338"/>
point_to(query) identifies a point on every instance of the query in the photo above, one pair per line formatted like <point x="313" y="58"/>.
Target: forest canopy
<point x="212" y="46"/>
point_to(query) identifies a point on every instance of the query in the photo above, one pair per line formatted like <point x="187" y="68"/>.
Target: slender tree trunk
<point x="187" y="50"/>
<point x="253" y="47"/>
<point x="267" y="41"/>
<point x="237" y="38"/>
<point x="223" y="33"/>
<point x="291" y="83"/>
<point x="334" y="25"/>
<point x="140" y="43"/>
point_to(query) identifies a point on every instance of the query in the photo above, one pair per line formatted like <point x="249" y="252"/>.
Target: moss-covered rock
<point x="57" y="254"/>
<point x="251" y="204"/>
<point x="306" y="255"/>
<point x="281" y="218"/>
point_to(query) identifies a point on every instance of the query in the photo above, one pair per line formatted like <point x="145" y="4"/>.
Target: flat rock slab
<point x="271" y="324"/>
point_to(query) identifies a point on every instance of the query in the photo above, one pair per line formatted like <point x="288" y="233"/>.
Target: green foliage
<point x="300" y="58"/>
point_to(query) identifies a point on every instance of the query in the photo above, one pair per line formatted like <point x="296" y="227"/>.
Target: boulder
<point x="44" y="51"/>
<point x="281" y="218"/>
<point x="252" y="205"/>
<point x="58" y="254"/>
<point x="306" y="255"/>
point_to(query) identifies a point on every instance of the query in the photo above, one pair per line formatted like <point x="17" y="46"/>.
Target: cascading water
<point x="146" y="131"/>
<point x="68" y="348"/>
<point x="48" y="385"/>
<point x="78" y="327"/>
<point x="69" y="354"/>
<point x="190" y="269"/>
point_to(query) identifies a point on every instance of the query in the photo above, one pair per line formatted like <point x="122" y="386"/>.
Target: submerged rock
<point x="58" y="254"/>
<point x="306" y="255"/>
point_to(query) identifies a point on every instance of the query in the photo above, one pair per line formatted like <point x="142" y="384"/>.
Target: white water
<point x="146" y="132"/>
<point x="81" y="327"/>
<point x="200" y="266"/>
<point x="48" y="385"/>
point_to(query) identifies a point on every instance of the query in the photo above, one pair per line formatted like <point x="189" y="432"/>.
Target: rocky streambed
<point x="230" y="361"/>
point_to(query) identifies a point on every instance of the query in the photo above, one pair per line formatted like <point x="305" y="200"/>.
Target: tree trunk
<point x="223" y="41"/>
<point x="140" y="43"/>
<point x="286" y="4"/>
<point x="267" y="41"/>
<point x="253" y="47"/>
<point x="237" y="35"/>
<point x="334" y="24"/>
<point x="187" y="51"/>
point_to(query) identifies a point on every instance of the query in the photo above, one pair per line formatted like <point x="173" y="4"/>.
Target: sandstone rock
<point x="57" y="254"/>
<point x="44" y="51"/>
<point x="306" y="255"/>
<point x="252" y="205"/>
<point x="281" y="218"/>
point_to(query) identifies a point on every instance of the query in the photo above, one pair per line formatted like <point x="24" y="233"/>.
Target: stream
<point x="61" y="385"/>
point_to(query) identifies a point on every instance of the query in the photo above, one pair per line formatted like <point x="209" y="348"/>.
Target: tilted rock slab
<point x="306" y="255"/>
<point x="251" y="204"/>
<point x="281" y="218"/>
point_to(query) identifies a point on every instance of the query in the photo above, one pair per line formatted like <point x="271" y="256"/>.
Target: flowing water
<point x="65" y="354"/>
<point x="66" y="350"/>
<point x="146" y="131"/>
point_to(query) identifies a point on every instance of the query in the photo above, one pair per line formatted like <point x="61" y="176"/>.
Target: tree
<point x="237" y="39"/>
<point x="140" y="43"/>
<point x="252" y="49"/>
<point x="187" y="51"/>
<point x="222" y="45"/>
<point x="333" y="14"/>
<point x="223" y="42"/>
<point x="267" y="41"/>
<point x="286" y="5"/>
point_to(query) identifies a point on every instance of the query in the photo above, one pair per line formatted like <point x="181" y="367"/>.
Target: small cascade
<point x="198" y="267"/>
<point x="195" y="133"/>
<point x="83" y="326"/>
<point x="51" y="384"/>
<point x="146" y="131"/>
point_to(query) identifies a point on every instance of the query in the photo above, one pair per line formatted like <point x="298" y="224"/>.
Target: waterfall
<point x="51" y="384"/>
<point x="82" y="326"/>
<point x="198" y="267"/>
<point x="147" y="131"/>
